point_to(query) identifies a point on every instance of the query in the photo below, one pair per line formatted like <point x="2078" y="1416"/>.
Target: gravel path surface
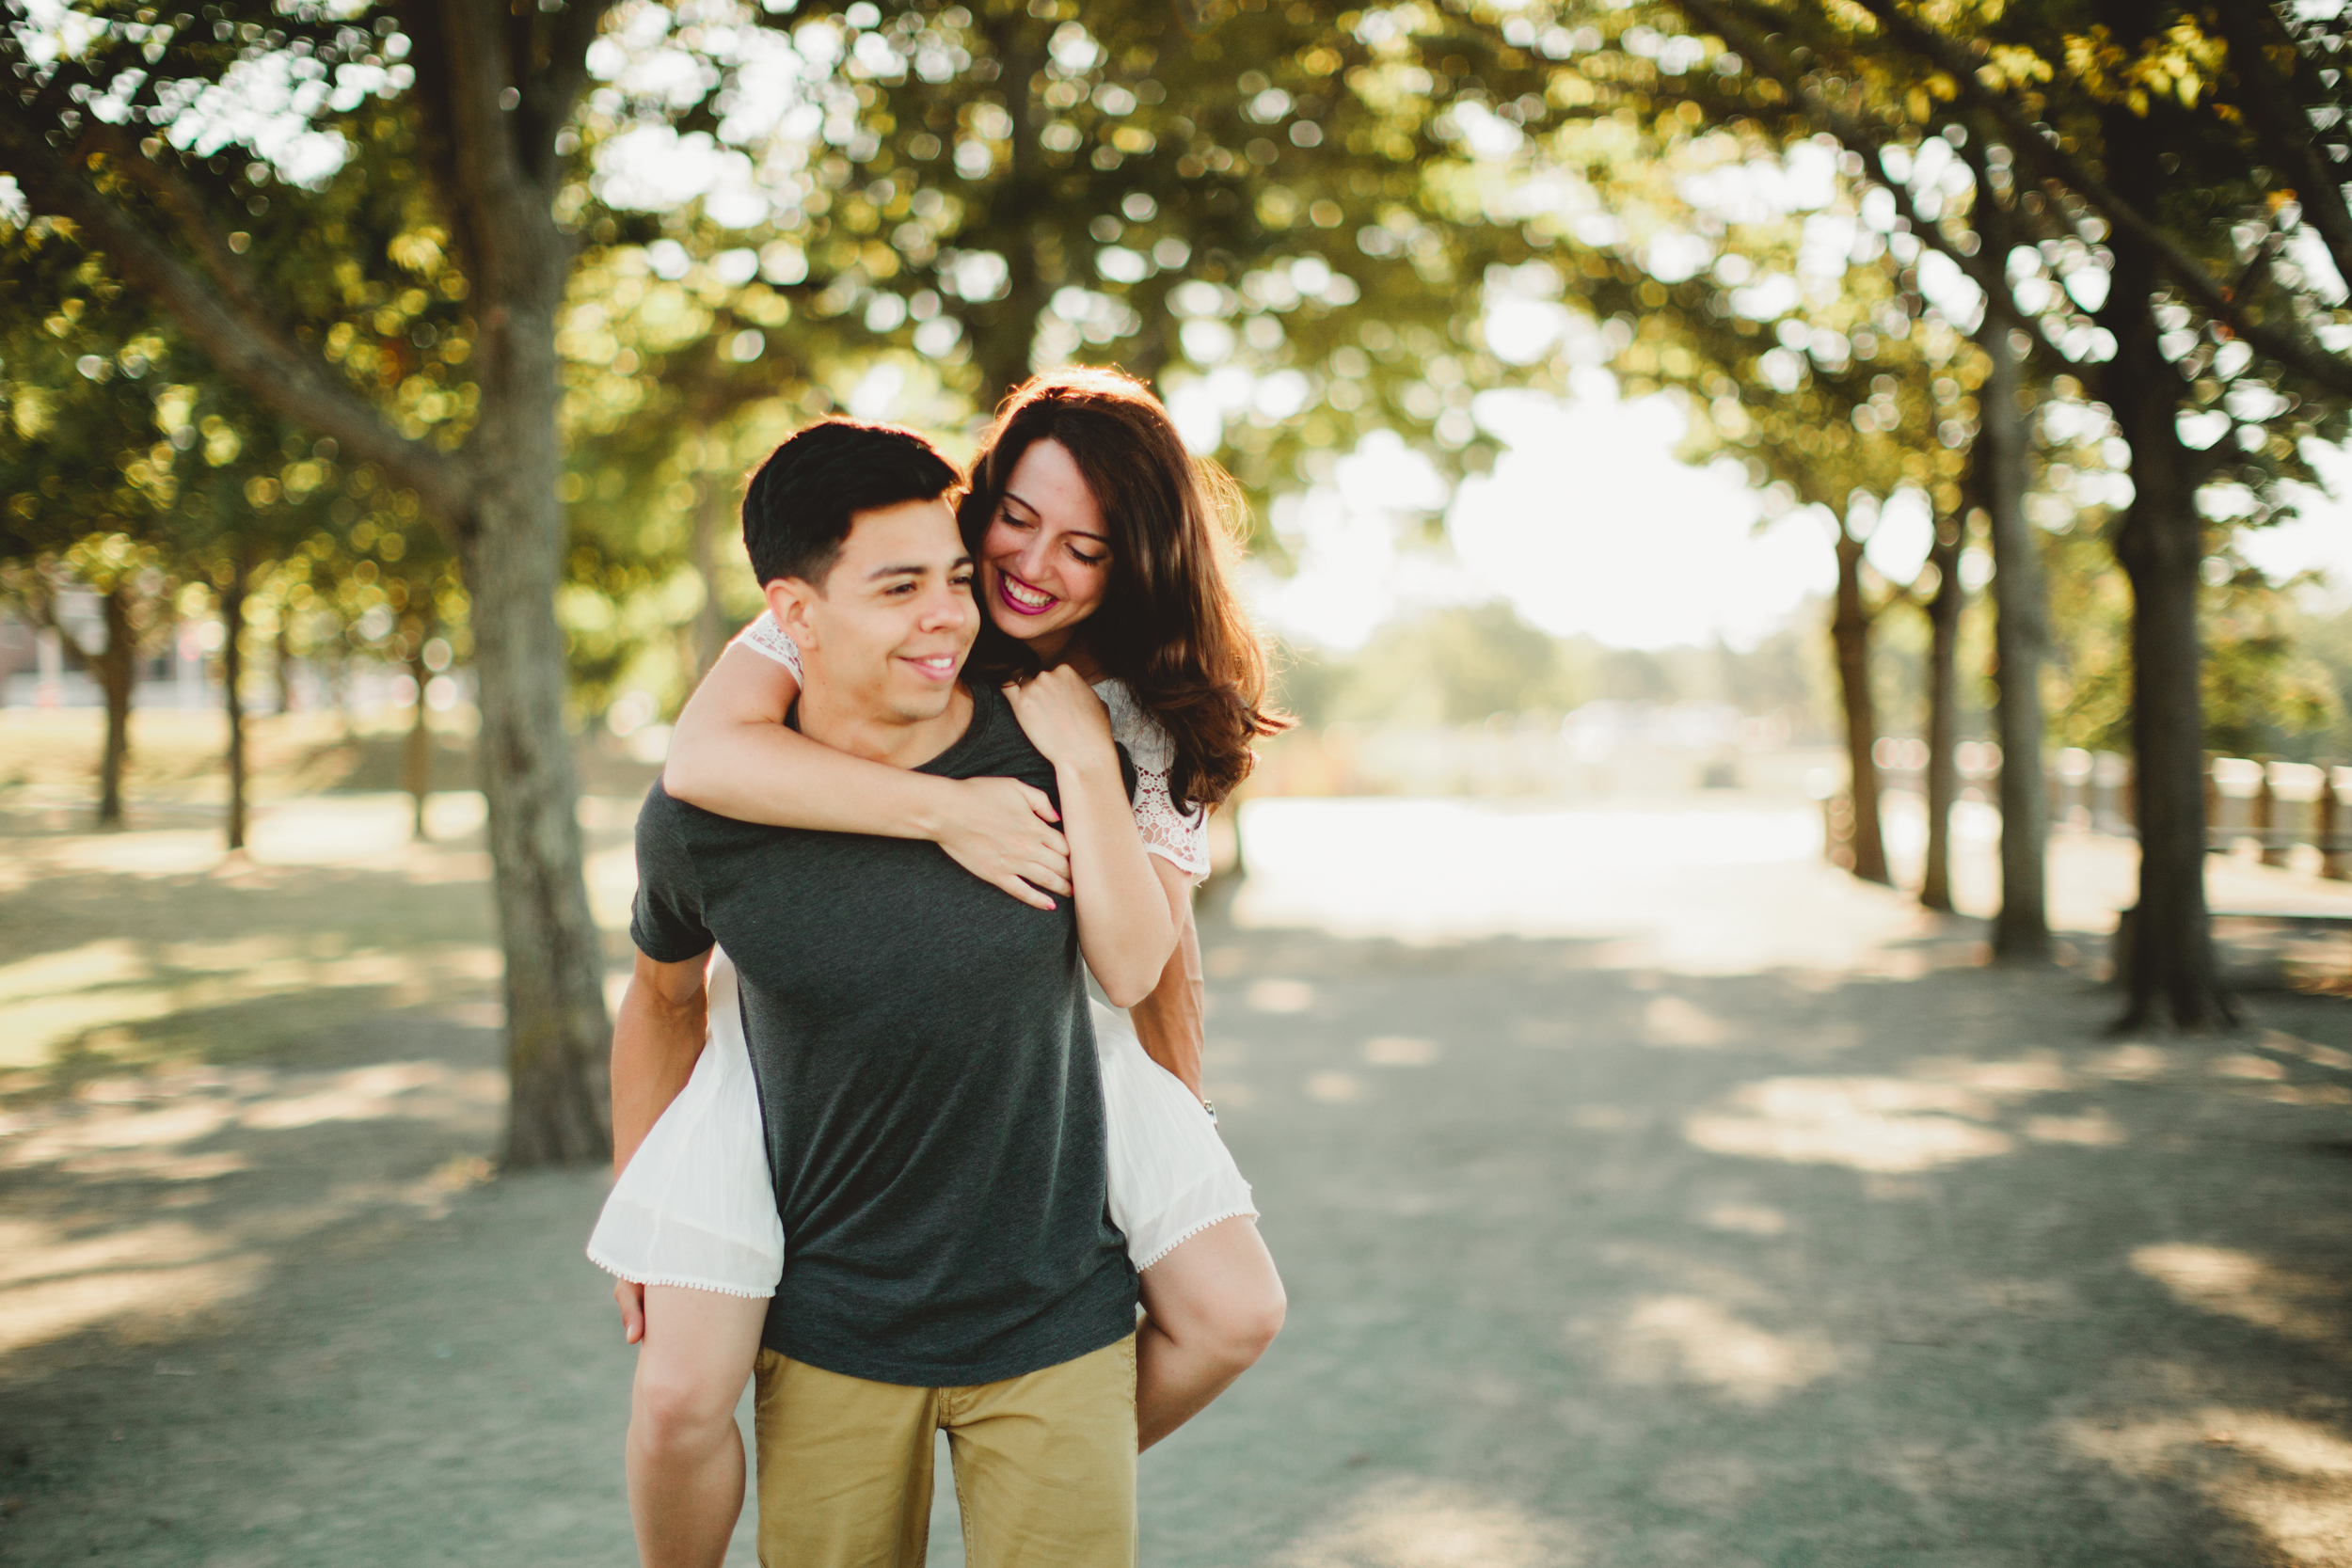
<point x="1764" y="1229"/>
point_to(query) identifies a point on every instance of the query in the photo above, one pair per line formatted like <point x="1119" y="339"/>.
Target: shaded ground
<point x="1738" y="1220"/>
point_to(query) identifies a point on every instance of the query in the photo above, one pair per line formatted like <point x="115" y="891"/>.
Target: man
<point x="926" y="1068"/>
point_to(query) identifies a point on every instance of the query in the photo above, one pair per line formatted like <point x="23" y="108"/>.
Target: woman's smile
<point x="1020" y="597"/>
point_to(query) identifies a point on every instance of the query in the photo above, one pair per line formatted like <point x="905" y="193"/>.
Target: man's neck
<point x="829" y="719"/>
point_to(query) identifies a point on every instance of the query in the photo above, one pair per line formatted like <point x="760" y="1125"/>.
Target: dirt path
<point x="1756" y="1229"/>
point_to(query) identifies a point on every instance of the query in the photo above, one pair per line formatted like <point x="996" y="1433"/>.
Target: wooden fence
<point x="2271" y="805"/>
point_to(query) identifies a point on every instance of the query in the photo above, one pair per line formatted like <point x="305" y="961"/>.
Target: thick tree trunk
<point x="1148" y="352"/>
<point x="512" y="549"/>
<point x="1944" y="614"/>
<point x="2020" y="641"/>
<point x="232" y="702"/>
<point x="1849" y="641"/>
<point x="2170" y="976"/>
<point x="495" y="87"/>
<point x="1004" y="332"/>
<point x="711" y="623"/>
<point x="417" y="765"/>
<point x="116" y="668"/>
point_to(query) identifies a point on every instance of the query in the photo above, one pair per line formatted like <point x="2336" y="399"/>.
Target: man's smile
<point x="938" y="667"/>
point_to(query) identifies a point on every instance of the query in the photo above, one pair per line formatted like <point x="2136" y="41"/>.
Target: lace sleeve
<point x="765" y="637"/>
<point x="1177" y="836"/>
<point x="1178" y="832"/>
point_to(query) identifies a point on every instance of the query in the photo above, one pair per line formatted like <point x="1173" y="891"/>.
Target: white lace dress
<point x="695" y="1206"/>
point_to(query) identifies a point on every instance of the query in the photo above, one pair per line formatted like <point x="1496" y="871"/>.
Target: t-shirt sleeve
<point x="765" y="638"/>
<point x="666" y="922"/>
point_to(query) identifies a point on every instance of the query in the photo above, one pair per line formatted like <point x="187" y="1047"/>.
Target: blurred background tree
<point x="87" y="465"/>
<point x="2141" y="150"/>
<point x="498" y="315"/>
<point x="385" y="250"/>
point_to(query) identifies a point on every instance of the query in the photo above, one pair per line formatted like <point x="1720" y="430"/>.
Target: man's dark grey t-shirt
<point x="927" y="1077"/>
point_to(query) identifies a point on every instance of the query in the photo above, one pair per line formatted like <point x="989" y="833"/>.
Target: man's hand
<point x="1004" y="833"/>
<point x="1063" y="719"/>
<point x="631" y="1297"/>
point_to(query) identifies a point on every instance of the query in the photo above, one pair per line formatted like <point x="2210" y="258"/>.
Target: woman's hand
<point x="1004" y="833"/>
<point x="1063" y="719"/>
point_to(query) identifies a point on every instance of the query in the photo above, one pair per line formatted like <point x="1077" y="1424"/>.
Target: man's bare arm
<point x="1170" y="1023"/>
<point x="655" y="1039"/>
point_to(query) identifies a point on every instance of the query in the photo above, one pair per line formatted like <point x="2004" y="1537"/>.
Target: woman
<point x="1100" y="549"/>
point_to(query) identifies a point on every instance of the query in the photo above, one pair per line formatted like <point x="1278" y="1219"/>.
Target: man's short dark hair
<point x="797" y="507"/>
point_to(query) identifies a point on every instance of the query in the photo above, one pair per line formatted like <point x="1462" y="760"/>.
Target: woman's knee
<point x="682" y="1406"/>
<point x="1236" y="1326"/>
<point x="1257" y="1318"/>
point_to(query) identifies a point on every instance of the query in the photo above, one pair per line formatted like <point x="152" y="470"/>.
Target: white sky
<point x="2317" y="537"/>
<point x="1588" y="525"/>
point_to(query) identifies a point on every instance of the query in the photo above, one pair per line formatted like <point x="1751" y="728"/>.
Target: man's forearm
<point x="655" y="1043"/>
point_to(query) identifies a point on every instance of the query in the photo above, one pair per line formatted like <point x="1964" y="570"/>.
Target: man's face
<point x="887" y="634"/>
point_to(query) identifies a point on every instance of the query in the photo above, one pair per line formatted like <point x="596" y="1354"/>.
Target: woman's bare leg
<point x="1210" y="1309"/>
<point x="685" y="1455"/>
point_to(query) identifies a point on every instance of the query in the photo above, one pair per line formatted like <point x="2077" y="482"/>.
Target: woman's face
<point x="1045" y="559"/>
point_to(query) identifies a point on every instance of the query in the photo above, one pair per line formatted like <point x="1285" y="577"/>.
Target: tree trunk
<point x="116" y="669"/>
<point x="113" y="666"/>
<point x="282" y="649"/>
<point x="1999" y="470"/>
<point x="512" y="549"/>
<point x="417" y="765"/>
<point x="1148" y="352"/>
<point x="1004" y="332"/>
<point x="1850" y="641"/>
<point x="2020" y="641"/>
<point x="231" y="675"/>
<point x="2173" y="976"/>
<point x="710" y="621"/>
<point x="1944" y="614"/>
<point x="2170" y="976"/>
<point x="495" y="87"/>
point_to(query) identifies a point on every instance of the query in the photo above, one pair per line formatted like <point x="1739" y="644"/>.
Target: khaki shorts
<point x="1044" y="1466"/>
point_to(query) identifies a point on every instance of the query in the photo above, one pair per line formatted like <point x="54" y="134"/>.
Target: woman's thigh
<point x="1221" y="1280"/>
<point x="698" y="1348"/>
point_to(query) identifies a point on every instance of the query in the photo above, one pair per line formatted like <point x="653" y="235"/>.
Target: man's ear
<point x="788" y="601"/>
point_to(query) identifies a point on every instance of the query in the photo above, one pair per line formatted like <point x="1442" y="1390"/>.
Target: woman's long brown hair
<point x="1169" y="625"/>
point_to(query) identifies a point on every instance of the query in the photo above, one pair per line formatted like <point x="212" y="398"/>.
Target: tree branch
<point x="190" y="218"/>
<point x="1988" y="273"/>
<point x="489" y="181"/>
<point x="556" y="91"/>
<point x="2293" y="350"/>
<point x="2269" y="103"/>
<point x="42" y="607"/>
<point x="429" y="53"/>
<point x="246" y="344"/>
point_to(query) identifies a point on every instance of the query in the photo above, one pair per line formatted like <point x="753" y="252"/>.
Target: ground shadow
<point x="1615" y="1264"/>
<point x="1591" y="1260"/>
